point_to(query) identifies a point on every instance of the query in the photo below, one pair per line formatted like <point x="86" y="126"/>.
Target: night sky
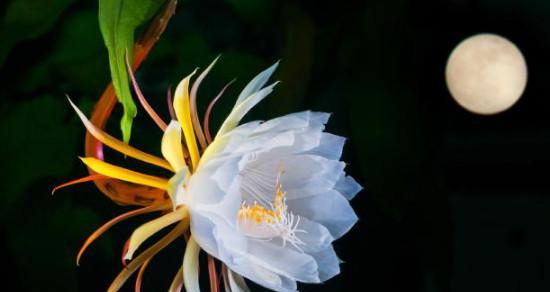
<point x="453" y="201"/>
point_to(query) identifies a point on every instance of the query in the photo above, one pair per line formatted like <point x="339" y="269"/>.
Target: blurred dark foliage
<point x="452" y="201"/>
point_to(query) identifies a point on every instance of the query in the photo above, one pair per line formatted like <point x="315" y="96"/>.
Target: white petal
<point x="348" y="187"/>
<point x="240" y="110"/>
<point x="265" y="143"/>
<point x="283" y="261"/>
<point x="310" y="175"/>
<point x="328" y="261"/>
<point x="236" y="282"/>
<point x="213" y="235"/>
<point x="263" y="276"/>
<point x="270" y="255"/>
<point x="316" y="237"/>
<point x="304" y="175"/>
<point x="330" y="209"/>
<point x="244" y="165"/>
<point x="253" y="135"/>
<point x="306" y="128"/>
<point x="202" y="230"/>
<point x="175" y="189"/>
<point x="207" y="186"/>
<point x="256" y="83"/>
<point x="299" y="120"/>
<point x="330" y="146"/>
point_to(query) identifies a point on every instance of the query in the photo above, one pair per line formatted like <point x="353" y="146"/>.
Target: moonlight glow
<point x="486" y="74"/>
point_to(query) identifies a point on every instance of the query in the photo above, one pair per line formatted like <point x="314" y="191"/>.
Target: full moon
<point x="486" y="74"/>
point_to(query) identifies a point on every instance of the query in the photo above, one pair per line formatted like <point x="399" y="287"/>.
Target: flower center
<point x="273" y="221"/>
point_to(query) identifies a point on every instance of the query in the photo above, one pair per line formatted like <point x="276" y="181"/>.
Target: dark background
<point x="453" y="201"/>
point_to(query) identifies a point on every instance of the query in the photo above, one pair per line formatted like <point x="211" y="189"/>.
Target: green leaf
<point x="118" y="19"/>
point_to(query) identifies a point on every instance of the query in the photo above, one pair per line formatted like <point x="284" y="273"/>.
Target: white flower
<point x="265" y="198"/>
<point x="273" y="231"/>
<point x="315" y="204"/>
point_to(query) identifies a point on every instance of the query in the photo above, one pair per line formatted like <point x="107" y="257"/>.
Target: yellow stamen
<point x="124" y="174"/>
<point x="119" y="145"/>
<point x="183" y="113"/>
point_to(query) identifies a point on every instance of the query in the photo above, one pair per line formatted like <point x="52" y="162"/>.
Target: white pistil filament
<point x="259" y="222"/>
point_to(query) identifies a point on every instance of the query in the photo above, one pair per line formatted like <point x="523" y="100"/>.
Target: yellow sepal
<point x="183" y="113"/>
<point x="124" y="174"/>
<point x="119" y="145"/>
<point x="146" y="230"/>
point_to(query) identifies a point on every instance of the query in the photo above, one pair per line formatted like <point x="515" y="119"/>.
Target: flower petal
<point x="242" y="108"/>
<point x="304" y="175"/>
<point x="348" y="187"/>
<point x="139" y="277"/>
<point x="148" y="108"/>
<point x="285" y="261"/>
<point x="315" y="236"/>
<point x="117" y="144"/>
<point x="329" y="147"/>
<point x="147" y="254"/>
<point x="171" y="146"/>
<point x="176" y="189"/>
<point x="183" y="113"/>
<point x="329" y="208"/>
<point x="257" y="83"/>
<point x="294" y="121"/>
<point x="124" y="174"/>
<point x="177" y="282"/>
<point x="237" y="282"/>
<point x="146" y="230"/>
<point x="263" y="276"/>
<point x="292" y="133"/>
<point x="328" y="262"/>
<point x="206" y="122"/>
<point x="191" y="266"/>
<point x="91" y="177"/>
<point x="114" y="221"/>
<point x="193" y="104"/>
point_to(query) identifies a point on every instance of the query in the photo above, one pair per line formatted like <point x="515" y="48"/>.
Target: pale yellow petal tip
<point x="75" y="107"/>
<point x="171" y="146"/>
<point x="87" y="161"/>
<point x="145" y="231"/>
<point x="175" y="185"/>
<point x="129" y="255"/>
<point x="185" y="82"/>
<point x="183" y="114"/>
<point x="190" y="74"/>
<point x="69" y="98"/>
<point x="190" y="266"/>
